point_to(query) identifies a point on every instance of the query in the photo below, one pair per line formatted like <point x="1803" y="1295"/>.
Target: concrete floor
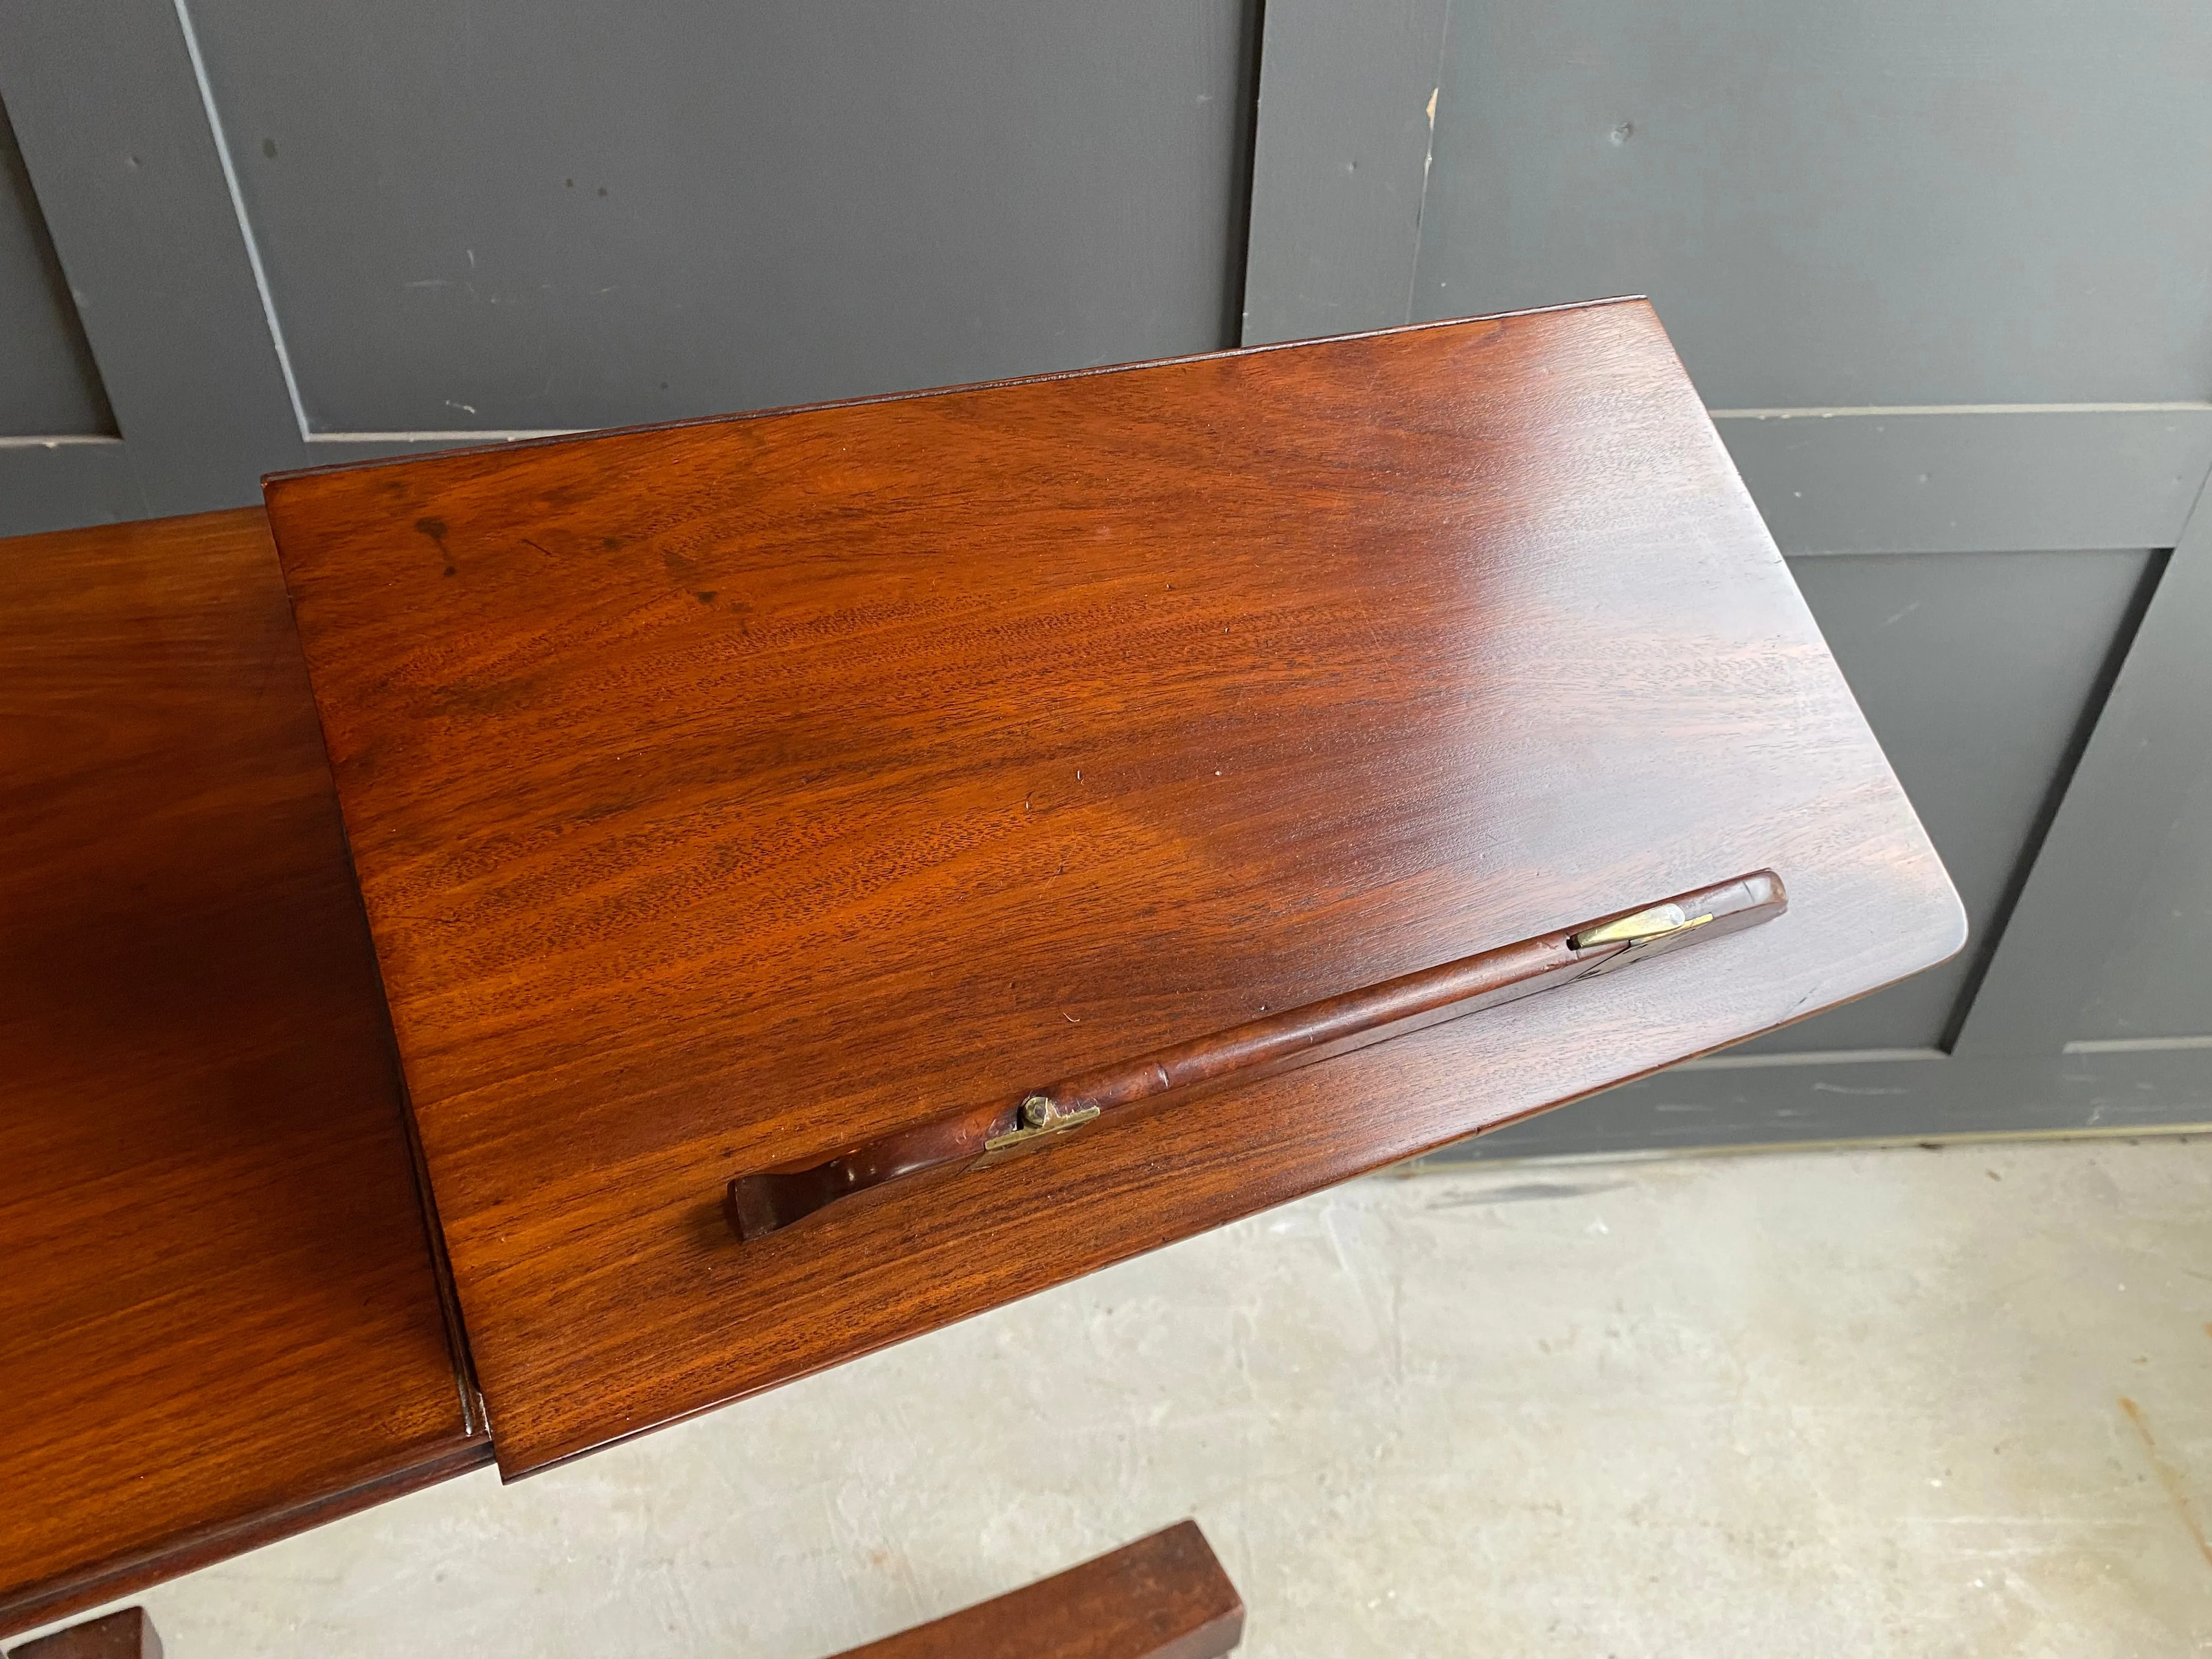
<point x="1895" y="1402"/>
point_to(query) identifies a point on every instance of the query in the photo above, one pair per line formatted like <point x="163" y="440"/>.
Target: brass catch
<point x="1041" y="1115"/>
<point x="1659" y="920"/>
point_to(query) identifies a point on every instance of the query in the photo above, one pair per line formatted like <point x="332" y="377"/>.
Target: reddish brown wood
<point x="222" y="1320"/>
<point x="1162" y="1597"/>
<point x="129" y="1634"/>
<point x="762" y="1203"/>
<point x="726" y="795"/>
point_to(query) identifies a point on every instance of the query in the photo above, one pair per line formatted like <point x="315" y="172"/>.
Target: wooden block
<point x="129" y="1634"/>
<point x="1162" y="1597"/>
<point x="733" y="795"/>
<point x="222" y="1316"/>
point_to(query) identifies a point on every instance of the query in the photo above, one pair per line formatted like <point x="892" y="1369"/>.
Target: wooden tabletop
<point x="221" y="1320"/>
<point x="728" y="794"/>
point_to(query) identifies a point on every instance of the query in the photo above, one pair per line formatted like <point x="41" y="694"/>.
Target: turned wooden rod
<point x="768" y="1199"/>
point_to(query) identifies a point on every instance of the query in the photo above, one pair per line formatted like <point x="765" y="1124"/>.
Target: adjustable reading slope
<point x="732" y="797"/>
<point x="761" y="1203"/>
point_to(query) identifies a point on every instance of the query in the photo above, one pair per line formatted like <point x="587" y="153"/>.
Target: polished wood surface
<point x="220" y="1317"/>
<point x="728" y="794"/>
<point x="765" y="1201"/>
<point x="129" y="1634"/>
<point x="1162" y="1597"/>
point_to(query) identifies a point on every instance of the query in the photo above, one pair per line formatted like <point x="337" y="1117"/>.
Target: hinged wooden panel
<point x="726" y="794"/>
<point x="220" y="1318"/>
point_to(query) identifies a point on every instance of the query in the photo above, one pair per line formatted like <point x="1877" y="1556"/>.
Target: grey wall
<point x="1887" y="203"/>
<point x="593" y="212"/>
<point x="321" y="231"/>
<point x="47" y="380"/>
<point x="1945" y="277"/>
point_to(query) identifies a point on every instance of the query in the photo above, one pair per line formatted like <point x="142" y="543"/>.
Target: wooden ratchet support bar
<point x="763" y="1202"/>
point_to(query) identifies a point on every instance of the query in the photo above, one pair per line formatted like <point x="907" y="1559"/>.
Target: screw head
<point x="1037" y="1111"/>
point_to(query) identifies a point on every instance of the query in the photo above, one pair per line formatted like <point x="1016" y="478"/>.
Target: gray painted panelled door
<point x="47" y="381"/>
<point x="267" y="237"/>
<point x="1945" y="277"/>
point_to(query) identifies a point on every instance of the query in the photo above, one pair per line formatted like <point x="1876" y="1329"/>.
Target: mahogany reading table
<point x="742" y="797"/>
<point x="835" y="871"/>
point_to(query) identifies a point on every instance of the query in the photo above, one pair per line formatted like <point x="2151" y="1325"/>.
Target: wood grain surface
<point x="220" y="1319"/>
<point x="1162" y="1597"/>
<point x="728" y="795"/>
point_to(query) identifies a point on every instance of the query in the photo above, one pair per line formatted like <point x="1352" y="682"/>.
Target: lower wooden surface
<point x="104" y="1580"/>
<point x="1162" y="1597"/>
<point x="223" y="1318"/>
